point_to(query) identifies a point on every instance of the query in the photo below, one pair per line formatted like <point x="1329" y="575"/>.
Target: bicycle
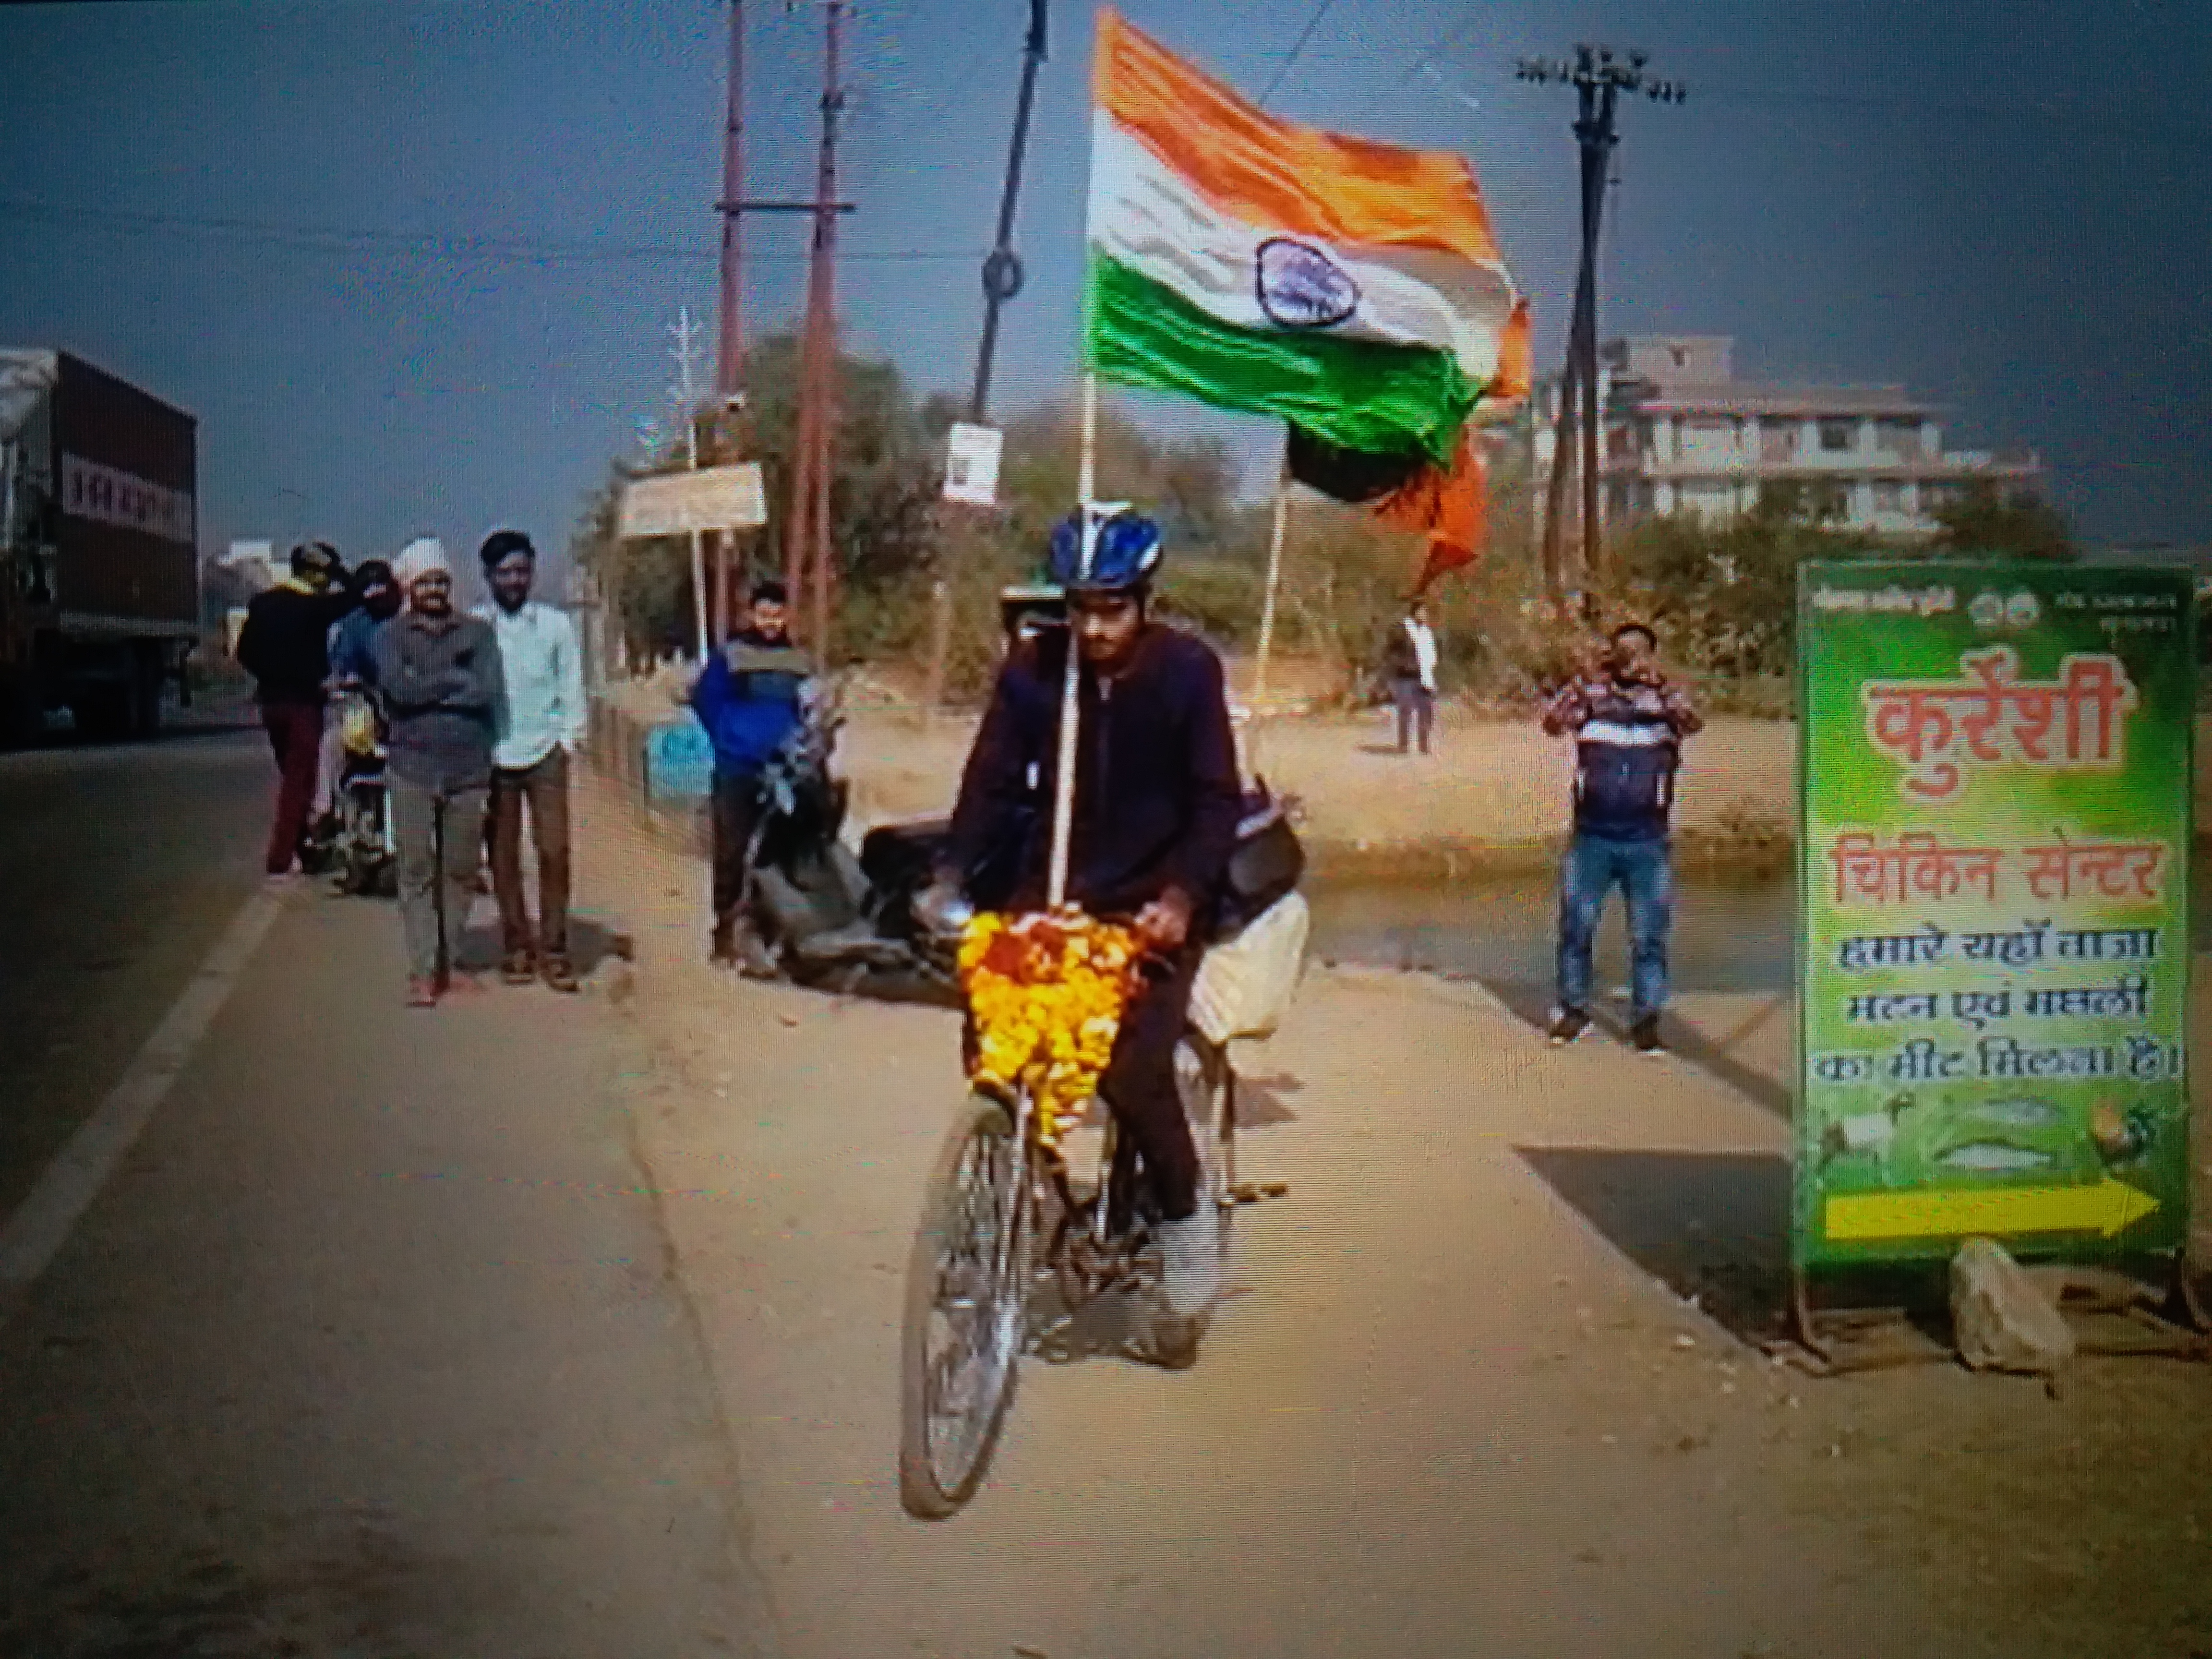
<point x="1005" y="1235"/>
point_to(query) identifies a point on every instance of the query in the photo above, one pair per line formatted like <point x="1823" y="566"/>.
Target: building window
<point x="1839" y="437"/>
<point x="1888" y="495"/>
<point x="1898" y="438"/>
<point x="1777" y="445"/>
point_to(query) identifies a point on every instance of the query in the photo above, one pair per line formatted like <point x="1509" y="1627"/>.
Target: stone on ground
<point x="2002" y="1322"/>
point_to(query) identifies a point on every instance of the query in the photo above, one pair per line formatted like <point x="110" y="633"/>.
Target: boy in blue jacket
<point x="750" y="698"/>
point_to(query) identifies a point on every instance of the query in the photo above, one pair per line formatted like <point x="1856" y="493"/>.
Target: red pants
<point x="295" y="734"/>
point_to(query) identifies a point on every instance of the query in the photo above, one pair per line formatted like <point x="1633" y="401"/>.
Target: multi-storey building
<point x="1682" y="435"/>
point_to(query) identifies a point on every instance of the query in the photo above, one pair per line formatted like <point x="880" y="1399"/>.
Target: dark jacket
<point x="1399" y="661"/>
<point x="285" y="643"/>
<point x="1156" y="792"/>
<point x="1628" y="746"/>
<point x="353" y="646"/>
<point x="440" y="685"/>
<point x="748" y="699"/>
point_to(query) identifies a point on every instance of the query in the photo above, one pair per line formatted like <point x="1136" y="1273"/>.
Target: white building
<point x="1682" y="435"/>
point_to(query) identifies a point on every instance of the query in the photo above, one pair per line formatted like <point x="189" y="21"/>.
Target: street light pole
<point x="1002" y="270"/>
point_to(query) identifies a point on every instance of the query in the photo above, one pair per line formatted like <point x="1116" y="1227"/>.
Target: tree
<point x="2014" y="523"/>
<point x="883" y="484"/>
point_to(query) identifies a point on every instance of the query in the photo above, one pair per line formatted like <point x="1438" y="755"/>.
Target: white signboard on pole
<point x="678" y="503"/>
<point x="971" y="463"/>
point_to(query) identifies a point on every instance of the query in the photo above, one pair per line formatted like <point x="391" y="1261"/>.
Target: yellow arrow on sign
<point x="2105" y="1208"/>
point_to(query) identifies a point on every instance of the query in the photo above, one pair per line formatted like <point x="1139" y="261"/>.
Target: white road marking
<point x="36" y="1231"/>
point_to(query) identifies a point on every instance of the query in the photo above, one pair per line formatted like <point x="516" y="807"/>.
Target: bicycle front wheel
<point x="966" y="1301"/>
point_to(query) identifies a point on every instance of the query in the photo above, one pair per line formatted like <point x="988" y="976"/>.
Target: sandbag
<point x="1244" y="984"/>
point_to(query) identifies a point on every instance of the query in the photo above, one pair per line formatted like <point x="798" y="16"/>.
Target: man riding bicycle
<point x="1154" y="821"/>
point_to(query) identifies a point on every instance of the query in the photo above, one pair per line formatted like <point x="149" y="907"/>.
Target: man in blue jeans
<point x="1628" y="724"/>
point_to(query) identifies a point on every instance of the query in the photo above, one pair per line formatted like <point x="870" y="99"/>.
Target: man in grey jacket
<point x="438" y="673"/>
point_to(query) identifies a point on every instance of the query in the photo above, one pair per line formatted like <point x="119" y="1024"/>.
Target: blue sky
<point x="1970" y="198"/>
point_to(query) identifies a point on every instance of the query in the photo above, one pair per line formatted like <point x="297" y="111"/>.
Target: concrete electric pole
<point x="1599" y="76"/>
<point x="730" y="343"/>
<point x="807" y="540"/>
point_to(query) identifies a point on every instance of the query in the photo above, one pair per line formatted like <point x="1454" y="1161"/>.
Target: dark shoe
<point x="518" y="969"/>
<point x="1645" y="1033"/>
<point x="1567" y="1025"/>
<point x="561" y="975"/>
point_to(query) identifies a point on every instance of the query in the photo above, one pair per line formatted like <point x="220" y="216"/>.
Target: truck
<point x="100" y="580"/>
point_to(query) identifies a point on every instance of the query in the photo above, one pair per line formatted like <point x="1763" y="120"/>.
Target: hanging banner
<point x="1995" y="775"/>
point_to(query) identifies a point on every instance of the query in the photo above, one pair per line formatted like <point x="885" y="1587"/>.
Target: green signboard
<point x="1994" y="766"/>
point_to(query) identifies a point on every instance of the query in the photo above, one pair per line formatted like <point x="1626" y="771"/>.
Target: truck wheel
<point x="145" y="688"/>
<point x="103" y="710"/>
<point x="22" y="716"/>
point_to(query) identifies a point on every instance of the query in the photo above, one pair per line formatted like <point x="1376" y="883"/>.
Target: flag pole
<point x="1268" y="603"/>
<point x="1063" y="791"/>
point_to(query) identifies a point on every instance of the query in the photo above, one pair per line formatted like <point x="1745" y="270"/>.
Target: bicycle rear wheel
<point x="966" y="1295"/>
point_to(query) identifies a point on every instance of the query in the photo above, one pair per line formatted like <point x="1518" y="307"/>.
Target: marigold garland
<point x="1046" y="994"/>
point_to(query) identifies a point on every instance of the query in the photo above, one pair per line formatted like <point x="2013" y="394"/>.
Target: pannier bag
<point x="1244" y="984"/>
<point x="1266" y="864"/>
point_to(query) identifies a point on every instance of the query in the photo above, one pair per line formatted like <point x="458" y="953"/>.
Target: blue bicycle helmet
<point x="1125" y="555"/>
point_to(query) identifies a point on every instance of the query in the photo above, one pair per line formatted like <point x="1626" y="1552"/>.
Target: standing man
<point x="1628" y="722"/>
<point x="543" y="723"/>
<point x="439" y="675"/>
<point x="353" y="641"/>
<point x="1409" y="662"/>
<point x="285" y="645"/>
<point x="750" y="698"/>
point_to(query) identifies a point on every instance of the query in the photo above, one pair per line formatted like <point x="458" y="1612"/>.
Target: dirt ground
<point x="1460" y="1401"/>
<point x="1490" y="788"/>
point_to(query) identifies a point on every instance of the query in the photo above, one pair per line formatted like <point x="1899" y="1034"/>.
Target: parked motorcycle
<point x="828" y="918"/>
<point x="365" y="852"/>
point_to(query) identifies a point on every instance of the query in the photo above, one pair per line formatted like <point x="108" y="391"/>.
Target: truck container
<point x="100" y="601"/>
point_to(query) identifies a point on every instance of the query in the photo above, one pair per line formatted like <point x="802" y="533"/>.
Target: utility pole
<point x="730" y="352"/>
<point x="807" y="541"/>
<point x="1599" y="76"/>
<point x="685" y="352"/>
<point x="810" y="469"/>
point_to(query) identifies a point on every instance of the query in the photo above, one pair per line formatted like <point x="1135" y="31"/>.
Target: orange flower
<point x="1046" y="994"/>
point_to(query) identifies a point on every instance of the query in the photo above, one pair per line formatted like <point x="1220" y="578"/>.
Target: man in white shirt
<point x="1409" y="662"/>
<point x="541" y="721"/>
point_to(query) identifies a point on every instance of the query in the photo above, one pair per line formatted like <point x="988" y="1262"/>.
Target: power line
<point x="1297" y="47"/>
<point x="431" y="246"/>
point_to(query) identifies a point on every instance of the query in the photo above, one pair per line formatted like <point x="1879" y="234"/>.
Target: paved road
<point x="369" y="1346"/>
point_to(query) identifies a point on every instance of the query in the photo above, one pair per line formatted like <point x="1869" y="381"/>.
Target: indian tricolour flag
<point x="1353" y="288"/>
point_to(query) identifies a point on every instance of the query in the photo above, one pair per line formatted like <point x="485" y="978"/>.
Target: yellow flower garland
<point x="1046" y="993"/>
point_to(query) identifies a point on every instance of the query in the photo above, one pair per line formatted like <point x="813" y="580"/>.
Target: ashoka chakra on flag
<point x="1351" y="288"/>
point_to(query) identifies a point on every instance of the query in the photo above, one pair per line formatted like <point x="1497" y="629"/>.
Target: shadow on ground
<point x="1532" y="1004"/>
<point x="1712" y="1227"/>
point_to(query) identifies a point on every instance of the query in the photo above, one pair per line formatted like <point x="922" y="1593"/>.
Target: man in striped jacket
<point x="1628" y="722"/>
